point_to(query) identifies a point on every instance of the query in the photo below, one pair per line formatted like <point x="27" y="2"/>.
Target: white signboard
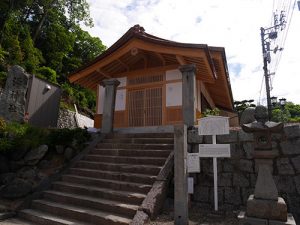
<point x="214" y="150"/>
<point x="193" y="163"/>
<point x="213" y="125"/>
<point x="190" y="185"/>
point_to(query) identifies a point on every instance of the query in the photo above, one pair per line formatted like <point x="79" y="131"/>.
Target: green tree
<point x="294" y="109"/>
<point x="281" y="115"/>
<point x="45" y="38"/>
<point x="240" y="106"/>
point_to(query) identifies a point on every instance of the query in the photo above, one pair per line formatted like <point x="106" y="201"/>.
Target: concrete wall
<point x="237" y="175"/>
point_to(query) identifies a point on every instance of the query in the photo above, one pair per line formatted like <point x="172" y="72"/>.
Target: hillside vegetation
<point x="45" y="37"/>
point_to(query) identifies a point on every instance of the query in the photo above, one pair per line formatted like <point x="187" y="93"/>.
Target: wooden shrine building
<point x="150" y="90"/>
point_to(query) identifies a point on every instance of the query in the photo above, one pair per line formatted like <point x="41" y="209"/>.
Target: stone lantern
<point x="264" y="206"/>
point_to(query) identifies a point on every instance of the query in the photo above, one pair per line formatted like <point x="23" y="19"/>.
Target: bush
<point x="279" y="115"/>
<point x="3" y="76"/>
<point x="2" y="125"/>
<point x="47" y="74"/>
<point x="14" y="135"/>
<point x="75" y="137"/>
<point x="211" y="112"/>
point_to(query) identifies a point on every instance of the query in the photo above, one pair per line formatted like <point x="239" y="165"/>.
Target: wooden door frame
<point x="144" y="87"/>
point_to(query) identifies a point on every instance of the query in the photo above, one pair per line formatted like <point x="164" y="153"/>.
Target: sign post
<point x="214" y="125"/>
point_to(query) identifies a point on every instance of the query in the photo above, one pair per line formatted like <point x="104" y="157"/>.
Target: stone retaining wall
<point x="66" y="119"/>
<point x="237" y="175"/>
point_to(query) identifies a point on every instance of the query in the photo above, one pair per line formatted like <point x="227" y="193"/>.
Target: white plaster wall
<point x="173" y="75"/>
<point x="120" y="100"/>
<point x="123" y="81"/>
<point x="100" y="99"/>
<point x="174" y="94"/>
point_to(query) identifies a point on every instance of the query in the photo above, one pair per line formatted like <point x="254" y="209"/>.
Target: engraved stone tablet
<point x="13" y="99"/>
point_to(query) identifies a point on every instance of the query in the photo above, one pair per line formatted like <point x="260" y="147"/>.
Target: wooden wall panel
<point x="120" y="119"/>
<point x="97" y="121"/>
<point x="174" y="115"/>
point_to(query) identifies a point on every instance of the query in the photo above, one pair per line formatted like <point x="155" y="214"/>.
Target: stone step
<point x="92" y="202"/>
<point x="80" y="213"/>
<point x="140" y="135"/>
<point x="142" y="169"/>
<point x="140" y="140"/>
<point x="44" y="218"/>
<point x="17" y="221"/>
<point x="135" y="146"/>
<point x="129" y="152"/>
<point x="111" y="184"/>
<point x="128" y="160"/>
<point x="130" y="177"/>
<point x="97" y="192"/>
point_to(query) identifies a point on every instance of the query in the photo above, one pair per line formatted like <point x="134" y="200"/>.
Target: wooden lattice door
<point x="145" y="107"/>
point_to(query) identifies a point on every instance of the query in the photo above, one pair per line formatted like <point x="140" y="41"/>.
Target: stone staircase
<point x="107" y="186"/>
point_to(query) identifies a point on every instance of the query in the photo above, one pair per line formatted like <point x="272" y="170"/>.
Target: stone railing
<point x="237" y="175"/>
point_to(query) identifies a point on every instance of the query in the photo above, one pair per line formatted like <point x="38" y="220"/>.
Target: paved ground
<point x="199" y="217"/>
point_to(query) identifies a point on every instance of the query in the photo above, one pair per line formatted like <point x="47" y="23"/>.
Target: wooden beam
<point x="161" y="58"/>
<point x="207" y="95"/>
<point x="87" y="79"/>
<point x="145" y="60"/>
<point x="140" y="44"/>
<point x="181" y="60"/>
<point x="123" y="64"/>
<point x="103" y="73"/>
<point x="95" y="80"/>
<point x="152" y="70"/>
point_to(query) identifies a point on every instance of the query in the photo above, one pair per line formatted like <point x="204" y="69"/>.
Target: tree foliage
<point x="240" y="106"/>
<point x="290" y="112"/>
<point x="45" y="37"/>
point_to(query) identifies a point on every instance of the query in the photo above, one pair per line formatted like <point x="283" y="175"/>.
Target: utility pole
<point x="266" y="72"/>
<point x="271" y="33"/>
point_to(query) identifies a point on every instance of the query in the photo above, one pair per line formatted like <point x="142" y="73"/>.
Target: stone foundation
<point x="237" y="175"/>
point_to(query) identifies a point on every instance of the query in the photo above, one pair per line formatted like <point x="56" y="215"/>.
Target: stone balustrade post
<point x="110" y="86"/>
<point x="180" y="175"/>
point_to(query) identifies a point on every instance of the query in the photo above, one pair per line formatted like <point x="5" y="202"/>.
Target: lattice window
<point x="145" y="107"/>
<point x="145" y="79"/>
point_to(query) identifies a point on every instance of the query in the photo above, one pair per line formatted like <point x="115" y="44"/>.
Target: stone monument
<point x="264" y="206"/>
<point x="13" y="98"/>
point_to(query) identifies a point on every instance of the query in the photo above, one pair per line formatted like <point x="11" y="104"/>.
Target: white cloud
<point x="232" y="24"/>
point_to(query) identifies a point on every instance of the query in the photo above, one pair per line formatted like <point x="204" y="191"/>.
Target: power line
<point x="283" y="37"/>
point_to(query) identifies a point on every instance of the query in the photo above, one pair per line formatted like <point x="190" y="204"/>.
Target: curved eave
<point x="221" y="89"/>
<point x="141" y="40"/>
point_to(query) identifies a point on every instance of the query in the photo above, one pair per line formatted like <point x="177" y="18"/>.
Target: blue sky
<point x="233" y="24"/>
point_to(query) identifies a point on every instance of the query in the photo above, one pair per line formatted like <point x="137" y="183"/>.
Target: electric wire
<point x="283" y="37"/>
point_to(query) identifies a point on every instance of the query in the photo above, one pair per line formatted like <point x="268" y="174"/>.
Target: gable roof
<point x="137" y="50"/>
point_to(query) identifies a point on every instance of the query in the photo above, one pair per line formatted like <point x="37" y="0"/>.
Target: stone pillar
<point x="180" y="175"/>
<point x="110" y="86"/>
<point x="188" y="94"/>
<point x="13" y="98"/>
